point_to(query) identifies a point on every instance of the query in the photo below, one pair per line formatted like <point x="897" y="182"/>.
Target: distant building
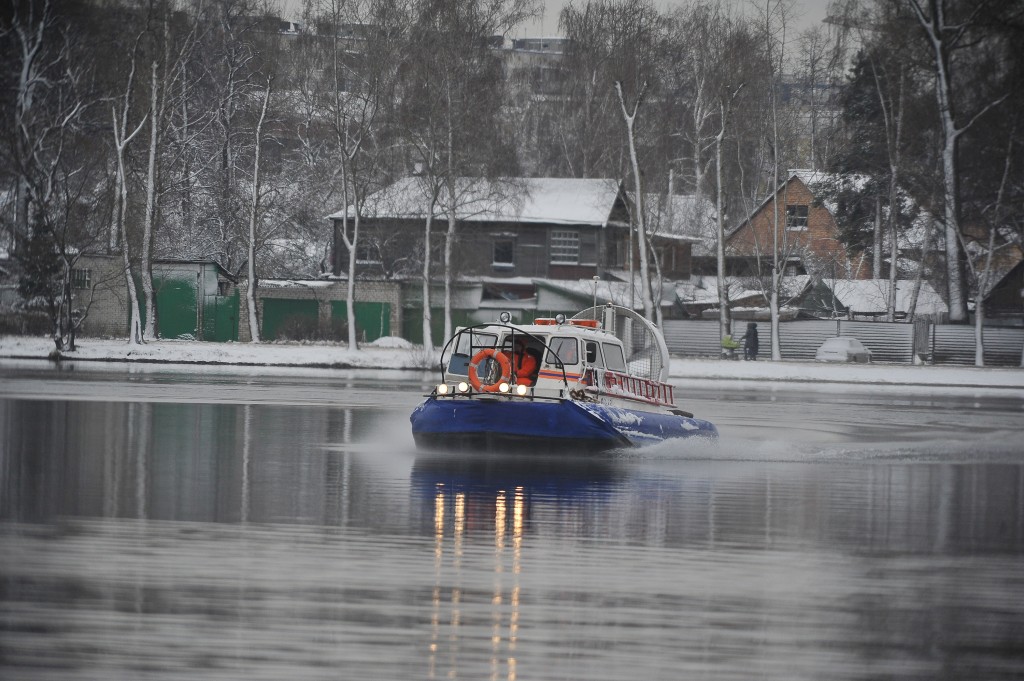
<point x="867" y="299"/>
<point x="551" y="228"/>
<point x="1004" y="303"/>
<point x="808" y="235"/>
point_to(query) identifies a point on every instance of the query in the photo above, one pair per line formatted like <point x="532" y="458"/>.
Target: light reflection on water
<point x="167" y="540"/>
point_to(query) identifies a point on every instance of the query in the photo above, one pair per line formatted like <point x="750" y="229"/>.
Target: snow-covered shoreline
<point x="381" y="356"/>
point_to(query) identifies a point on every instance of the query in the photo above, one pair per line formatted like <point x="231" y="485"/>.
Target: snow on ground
<point x="394" y="355"/>
<point x="187" y="352"/>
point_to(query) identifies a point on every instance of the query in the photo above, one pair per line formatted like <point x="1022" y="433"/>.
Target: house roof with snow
<point x="870" y="296"/>
<point x="568" y="201"/>
<point x="683" y="217"/>
<point x="701" y="291"/>
<point x="617" y="292"/>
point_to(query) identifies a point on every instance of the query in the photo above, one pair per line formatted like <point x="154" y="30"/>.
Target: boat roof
<point x="570" y="327"/>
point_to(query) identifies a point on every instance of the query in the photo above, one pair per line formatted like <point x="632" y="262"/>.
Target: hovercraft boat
<point x="595" y="382"/>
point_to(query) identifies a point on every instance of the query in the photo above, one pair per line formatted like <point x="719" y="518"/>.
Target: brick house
<point x="808" y="235"/>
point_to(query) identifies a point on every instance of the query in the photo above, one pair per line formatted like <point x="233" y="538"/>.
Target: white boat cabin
<point x="553" y="358"/>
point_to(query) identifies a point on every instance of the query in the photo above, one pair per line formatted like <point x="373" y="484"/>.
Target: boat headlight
<point x="505" y="317"/>
<point x="503" y="387"/>
<point x="463" y="387"/>
<point x="520" y="390"/>
<point x="560" y="318"/>
<point x="442" y="389"/>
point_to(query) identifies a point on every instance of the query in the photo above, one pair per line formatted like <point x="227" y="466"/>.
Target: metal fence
<point x="888" y="342"/>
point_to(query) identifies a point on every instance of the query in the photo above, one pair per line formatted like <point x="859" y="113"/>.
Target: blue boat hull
<point x="556" y="425"/>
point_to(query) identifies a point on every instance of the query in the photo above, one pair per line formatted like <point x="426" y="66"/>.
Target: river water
<point x="167" y="524"/>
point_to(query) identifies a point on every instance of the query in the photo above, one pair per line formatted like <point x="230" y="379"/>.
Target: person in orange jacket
<point x="524" y="364"/>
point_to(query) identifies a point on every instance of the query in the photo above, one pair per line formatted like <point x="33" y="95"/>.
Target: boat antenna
<point x="596" y="279"/>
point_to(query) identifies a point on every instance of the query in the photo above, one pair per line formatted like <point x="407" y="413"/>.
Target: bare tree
<point x="42" y="152"/>
<point x="123" y="134"/>
<point x="945" y="35"/>
<point x="776" y="18"/>
<point x="254" y="218"/>
<point x="629" y="114"/>
<point x="712" y="59"/>
<point x="450" y="106"/>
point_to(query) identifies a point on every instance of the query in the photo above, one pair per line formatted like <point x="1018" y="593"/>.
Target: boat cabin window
<point x="616" y="361"/>
<point x="594" y="354"/>
<point x="564" y="350"/>
<point x="466" y="346"/>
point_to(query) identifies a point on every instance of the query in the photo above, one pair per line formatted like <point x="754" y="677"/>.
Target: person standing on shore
<point x="750" y="342"/>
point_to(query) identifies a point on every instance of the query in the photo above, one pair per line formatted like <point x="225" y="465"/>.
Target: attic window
<point x="796" y="218"/>
<point x="565" y="248"/>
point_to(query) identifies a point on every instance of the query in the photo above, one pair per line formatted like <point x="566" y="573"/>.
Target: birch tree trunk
<point x="876" y="253"/>
<point x="724" y="317"/>
<point x="250" y="290"/>
<point x="641" y="228"/>
<point x="428" y="338"/>
<point x="147" y="224"/>
<point x="121" y="141"/>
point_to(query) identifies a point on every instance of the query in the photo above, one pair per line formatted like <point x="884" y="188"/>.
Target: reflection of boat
<point x="486" y="475"/>
<point x="555" y="385"/>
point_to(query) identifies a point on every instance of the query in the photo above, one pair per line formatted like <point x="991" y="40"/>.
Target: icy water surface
<point x="167" y="525"/>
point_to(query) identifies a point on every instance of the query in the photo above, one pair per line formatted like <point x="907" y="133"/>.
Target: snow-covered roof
<point x="704" y="290"/>
<point x="295" y="283"/>
<point x="688" y="215"/>
<point x="537" y="200"/>
<point x="617" y="292"/>
<point x="866" y="296"/>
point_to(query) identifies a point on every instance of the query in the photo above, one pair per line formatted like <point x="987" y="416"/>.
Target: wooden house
<point x="509" y="232"/>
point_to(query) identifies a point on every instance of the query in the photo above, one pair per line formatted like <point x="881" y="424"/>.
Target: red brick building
<point x="808" y="237"/>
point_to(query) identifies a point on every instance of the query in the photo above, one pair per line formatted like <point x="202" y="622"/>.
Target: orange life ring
<point x="502" y="360"/>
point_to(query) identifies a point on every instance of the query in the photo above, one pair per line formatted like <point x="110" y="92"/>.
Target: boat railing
<point x="631" y="387"/>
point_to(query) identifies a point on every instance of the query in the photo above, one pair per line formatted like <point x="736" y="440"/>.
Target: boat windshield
<point x="468" y="344"/>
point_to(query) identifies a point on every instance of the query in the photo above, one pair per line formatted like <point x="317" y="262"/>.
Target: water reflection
<point x="151" y="539"/>
<point x="195" y="462"/>
<point x="491" y="494"/>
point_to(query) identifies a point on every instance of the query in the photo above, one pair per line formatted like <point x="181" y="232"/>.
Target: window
<point x="613" y="355"/>
<point x="470" y="343"/>
<point x="466" y="346"/>
<point x="81" y="278"/>
<point x="366" y="254"/>
<point x="594" y="354"/>
<point x="565" y="248"/>
<point x="504" y="253"/>
<point x="796" y="218"/>
<point x="564" y="350"/>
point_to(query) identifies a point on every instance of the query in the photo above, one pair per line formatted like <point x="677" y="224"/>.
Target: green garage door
<point x="373" y="320"/>
<point x="177" y="311"/>
<point x="220" y="317"/>
<point x="412" y="323"/>
<point x="281" y="313"/>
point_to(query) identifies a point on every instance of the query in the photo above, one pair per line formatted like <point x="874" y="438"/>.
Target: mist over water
<point x="848" y="536"/>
